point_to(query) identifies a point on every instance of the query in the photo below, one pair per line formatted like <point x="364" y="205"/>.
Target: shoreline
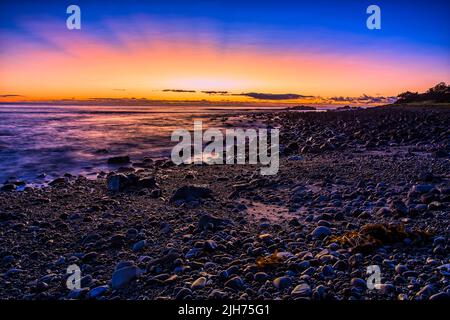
<point x="208" y="232"/>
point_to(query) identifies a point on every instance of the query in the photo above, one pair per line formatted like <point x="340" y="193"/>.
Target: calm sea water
<point x="53" y="140"/>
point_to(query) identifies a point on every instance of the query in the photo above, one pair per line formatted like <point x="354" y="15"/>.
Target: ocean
<point x="41" y="142"/>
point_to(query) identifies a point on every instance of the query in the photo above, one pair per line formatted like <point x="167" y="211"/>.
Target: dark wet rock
<point x="191" y="193"/>
<point x="147" y="182"/>
<point x="132" y="233"/>
<point x="210" y="222"/>
<point x="58" y="182"/>
<point x="426" y="292"/>
<point x="385" y="288"/>
<point x="165" y="260"/>
<point x="235" y="283"/>
<point x="441" y="296"/>
<point x="210" y="245"/>
<point x="217" y="295"/>
<point x="183" y="293"/>
<point x="398" y="207"/>
<point x="117" y="240"/>
<point x="320" y="292"/>
<point x="97" y="292"/>
<point x="86" y="281"/>
<point x="77" y="293"/>
<point x="8" y="187"/>
<point x="118" y="182"/>
<point x="435" y="205"/>
<point x="7" y="260"/>
<point x="261" y="276"/>
<point x="119" y="160"/>
<point x="359" y="283"/>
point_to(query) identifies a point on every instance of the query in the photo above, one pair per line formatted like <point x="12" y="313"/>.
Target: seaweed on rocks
<point x="373" y="236"/>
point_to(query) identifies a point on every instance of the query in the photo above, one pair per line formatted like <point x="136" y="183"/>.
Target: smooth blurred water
<point x="79" y="139"/>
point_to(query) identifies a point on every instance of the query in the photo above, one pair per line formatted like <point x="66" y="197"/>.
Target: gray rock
<point x="358" y="282"/>
<point x="401" y="268"/>
<point x="123" y="264"/>
<point x="98" y="291"/>
<point x="321" y="232"/>
<point x="192" y="253"/>
<point x="200" y="283"/>
<point x="302" y="290"/>
<point x="282" y="283"/>
<point x="139" y="245"/>
<point x="328" y="271"/>
<point x="122" y="277"/>
<point x="423" y="188"/>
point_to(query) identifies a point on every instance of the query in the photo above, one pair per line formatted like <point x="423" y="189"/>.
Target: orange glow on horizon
<point x="84" y="68"/>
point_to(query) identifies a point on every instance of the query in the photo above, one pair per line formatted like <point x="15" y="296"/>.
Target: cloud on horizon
<point x="10" y="95"/>
<point x="254" y="95"/>
<point x="364" y="98"/>
<point x="273" y="96"/>
<point x="179" y="90"/>
<point x="215" y="92"/>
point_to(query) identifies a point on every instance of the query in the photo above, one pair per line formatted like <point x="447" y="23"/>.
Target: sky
<point x="243" y="51"/>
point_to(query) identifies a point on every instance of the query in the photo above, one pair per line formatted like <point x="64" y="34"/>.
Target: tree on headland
<point x="438" y="93"/>
<point x="439" y="88"/>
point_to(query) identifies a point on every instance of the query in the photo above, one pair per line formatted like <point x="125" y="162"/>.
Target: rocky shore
<point x="356" y="188"/>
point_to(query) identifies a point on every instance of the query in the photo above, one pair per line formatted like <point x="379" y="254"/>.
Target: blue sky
<point x="414" y="22"/>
